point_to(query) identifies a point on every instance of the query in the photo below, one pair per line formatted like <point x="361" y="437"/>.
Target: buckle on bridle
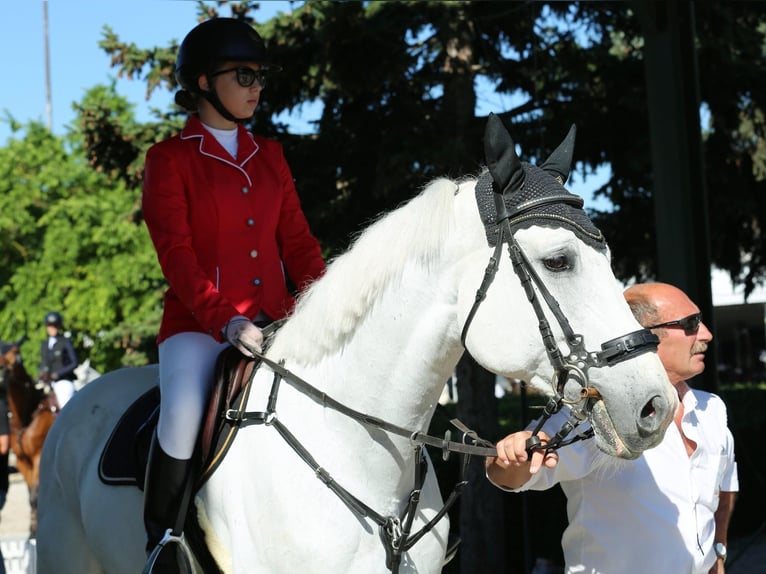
<point x="626" y="347"/>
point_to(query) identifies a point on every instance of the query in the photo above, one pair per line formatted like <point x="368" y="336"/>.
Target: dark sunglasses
<point x="246" y="77"/>
<point x="690" y="324"/>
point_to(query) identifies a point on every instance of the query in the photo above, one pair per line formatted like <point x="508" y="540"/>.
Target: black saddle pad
<point x="123" y="460"/>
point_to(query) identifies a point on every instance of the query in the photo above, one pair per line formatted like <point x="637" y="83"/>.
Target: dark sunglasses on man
<point x="690" y="324"/>
<point x="246" y="77"/>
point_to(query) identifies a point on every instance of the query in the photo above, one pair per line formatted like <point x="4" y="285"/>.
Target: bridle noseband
<point x="575" y="364"/>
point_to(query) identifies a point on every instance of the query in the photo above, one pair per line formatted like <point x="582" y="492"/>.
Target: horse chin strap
<point x="574" y="365"/>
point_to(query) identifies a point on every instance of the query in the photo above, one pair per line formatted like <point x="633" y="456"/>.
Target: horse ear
<point x="559" y="163"/>
<point x="500" y="153"/>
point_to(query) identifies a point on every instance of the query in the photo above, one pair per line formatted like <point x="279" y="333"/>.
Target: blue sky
<point x="77" y="63"/>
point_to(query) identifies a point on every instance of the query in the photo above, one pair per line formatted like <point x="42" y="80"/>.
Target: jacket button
<point x="245" y="190"/>
<point x="256" y="281"/>
<point x="254" y="253"/>
<point x="250" y="222"/>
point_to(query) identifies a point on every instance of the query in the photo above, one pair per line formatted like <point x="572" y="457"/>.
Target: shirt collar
<point x="246" y="147"/>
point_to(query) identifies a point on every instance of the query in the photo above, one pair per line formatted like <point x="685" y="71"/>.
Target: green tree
<point x="397" y="83"/>
<point x="74" y="241"/>
<point x="398" y="86"/>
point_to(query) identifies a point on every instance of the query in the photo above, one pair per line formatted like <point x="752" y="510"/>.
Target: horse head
<point x="23" y="396"/>
<point x="589" y="352"/>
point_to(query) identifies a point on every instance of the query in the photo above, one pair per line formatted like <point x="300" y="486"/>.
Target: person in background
<point x="5" y="432"/>
<point x="223" y="213"/>
<point x="667" y="511"/>
<point x="58" y="359"/>
<point x="5" y="442"/>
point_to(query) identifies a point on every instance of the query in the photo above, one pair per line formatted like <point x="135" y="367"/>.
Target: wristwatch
<point x="720" y="550"/>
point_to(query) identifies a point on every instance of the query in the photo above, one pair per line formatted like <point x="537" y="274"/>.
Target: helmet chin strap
<point x="212" y="97"/>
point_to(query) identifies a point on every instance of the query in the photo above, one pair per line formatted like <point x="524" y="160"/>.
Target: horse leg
<point x="33" y="495"/>
<point x="41" y="425"/>
<point x="70" y="554"/>
<point x="62" y="543"/>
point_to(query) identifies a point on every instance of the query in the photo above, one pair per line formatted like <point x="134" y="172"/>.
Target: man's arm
<point x="723" y="515"/>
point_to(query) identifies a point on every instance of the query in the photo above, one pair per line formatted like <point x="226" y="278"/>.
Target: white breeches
<point x="63" y="389"/>
<point x="187" y="364"/>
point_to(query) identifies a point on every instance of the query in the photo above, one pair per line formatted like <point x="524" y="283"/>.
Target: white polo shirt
<point x="653" y="514"/>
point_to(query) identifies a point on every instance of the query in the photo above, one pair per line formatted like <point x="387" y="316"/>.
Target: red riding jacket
<point x="226" y="231"/>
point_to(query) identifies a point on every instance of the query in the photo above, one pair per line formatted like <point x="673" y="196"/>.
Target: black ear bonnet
<point x="530" y="195"/>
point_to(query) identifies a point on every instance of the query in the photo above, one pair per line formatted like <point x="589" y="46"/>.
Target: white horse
<point x="85" y="374"/>
<point x="380" y="333"/>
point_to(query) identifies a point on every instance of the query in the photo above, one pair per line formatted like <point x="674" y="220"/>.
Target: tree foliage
<point x="73" y="241"/>
<point x="398" y="87"/>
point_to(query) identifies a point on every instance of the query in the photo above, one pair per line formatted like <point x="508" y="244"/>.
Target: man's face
<point x="682" y="352"/>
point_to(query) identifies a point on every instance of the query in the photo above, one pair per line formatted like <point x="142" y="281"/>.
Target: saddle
<point x="123" y="460"/>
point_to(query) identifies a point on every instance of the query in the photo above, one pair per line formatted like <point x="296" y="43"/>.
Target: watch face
<point x="720" y="549"/>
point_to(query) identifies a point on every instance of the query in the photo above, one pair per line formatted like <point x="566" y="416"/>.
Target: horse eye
<point x="558" y="262"/>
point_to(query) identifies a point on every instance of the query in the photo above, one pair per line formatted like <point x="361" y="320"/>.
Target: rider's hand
<point x="240" y="331"/>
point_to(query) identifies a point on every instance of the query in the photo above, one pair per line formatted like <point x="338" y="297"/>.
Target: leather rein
<point x="395" y="531"/>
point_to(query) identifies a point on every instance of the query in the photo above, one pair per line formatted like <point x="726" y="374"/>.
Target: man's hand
<point x="718" y="567"/>
<point x="512" y="450"/>
<point x="513" y="467"/>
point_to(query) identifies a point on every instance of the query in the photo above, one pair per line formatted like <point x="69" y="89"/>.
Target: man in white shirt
<point x="666" y="512"/>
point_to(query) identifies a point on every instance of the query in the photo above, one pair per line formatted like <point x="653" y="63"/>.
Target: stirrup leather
<point x="170" y="538"/>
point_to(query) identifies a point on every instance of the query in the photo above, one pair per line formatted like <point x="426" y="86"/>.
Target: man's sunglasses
<point x="690" y="324"/>
<point x="246" y="77"/>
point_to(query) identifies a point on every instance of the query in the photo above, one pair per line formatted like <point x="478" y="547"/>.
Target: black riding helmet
<point x="54" y="318"/>
<point x="211" y="43"/>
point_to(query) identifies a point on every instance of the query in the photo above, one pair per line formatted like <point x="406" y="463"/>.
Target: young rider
<point x="226" y="222"/>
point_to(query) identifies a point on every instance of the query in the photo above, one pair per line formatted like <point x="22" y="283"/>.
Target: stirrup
<point x="170" y="538"/>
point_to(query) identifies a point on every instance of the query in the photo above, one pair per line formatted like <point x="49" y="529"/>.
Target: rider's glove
<point x="241" y="333"/>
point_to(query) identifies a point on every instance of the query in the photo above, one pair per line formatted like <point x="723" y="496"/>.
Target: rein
<point x="395" y="531"/>
<point x="574" y="365"/>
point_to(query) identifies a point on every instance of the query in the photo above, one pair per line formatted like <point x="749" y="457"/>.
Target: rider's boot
<point x="167" y="491"/>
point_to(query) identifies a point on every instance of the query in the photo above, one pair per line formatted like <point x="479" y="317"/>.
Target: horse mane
<point x="329" y="311"/>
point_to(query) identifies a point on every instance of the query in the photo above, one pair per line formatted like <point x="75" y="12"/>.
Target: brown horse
<point x="32" y="414"/>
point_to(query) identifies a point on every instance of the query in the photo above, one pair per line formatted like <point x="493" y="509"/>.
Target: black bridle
<point x="396" y="531"/>
<point x="579" y="360"/>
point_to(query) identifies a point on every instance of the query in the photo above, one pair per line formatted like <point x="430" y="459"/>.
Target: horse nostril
<point x="652" y="416"/>
<point x="648" y="410"/>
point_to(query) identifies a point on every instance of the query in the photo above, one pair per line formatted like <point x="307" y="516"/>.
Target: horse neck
<point x="400" y="357"/>
<point x="23" y="397"/>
